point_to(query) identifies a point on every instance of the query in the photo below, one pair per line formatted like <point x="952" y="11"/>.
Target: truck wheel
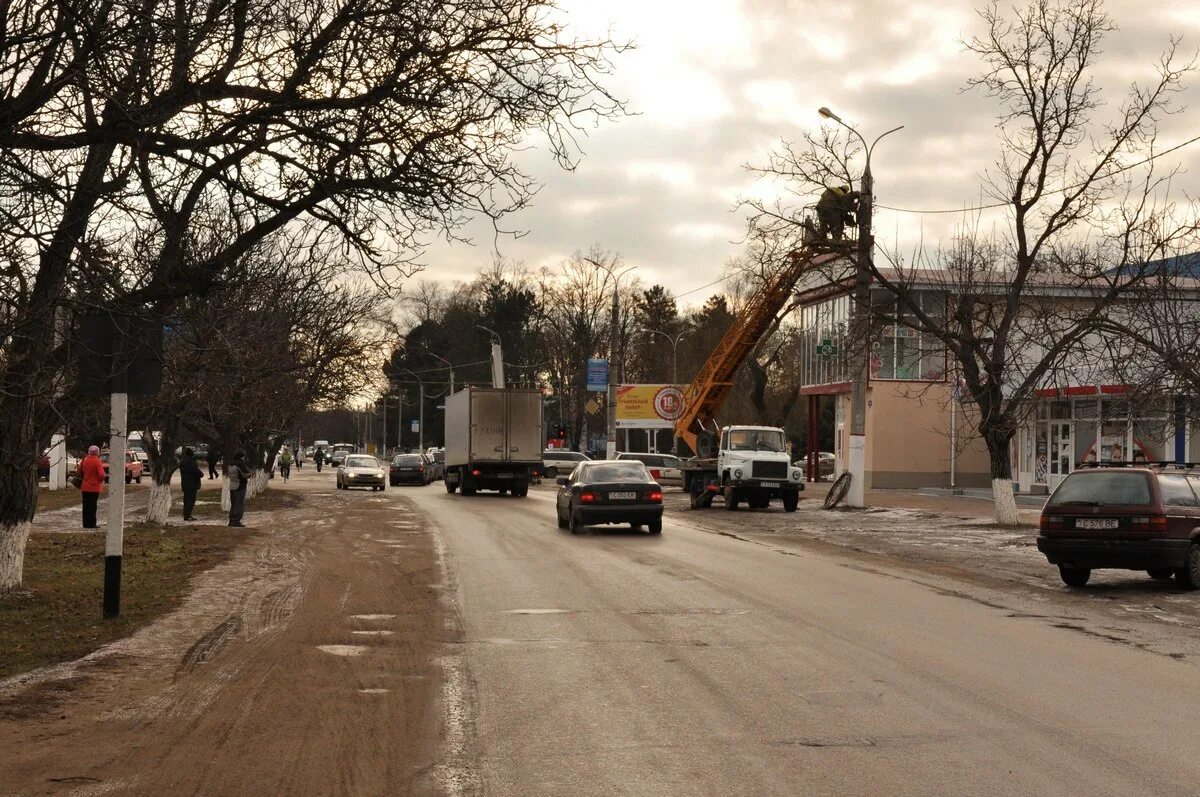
<point x="521" y="491"/>
<point x="504" y="491"/>
<point x="451" y="487"/>
<point x="791" y="501"/>
<point x="468" y="490"/>
<point x="696" y="501"/>
<point x="731" y="498"/>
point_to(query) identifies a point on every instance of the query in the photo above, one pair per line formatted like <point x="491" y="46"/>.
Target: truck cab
<point x="752" y="465"/>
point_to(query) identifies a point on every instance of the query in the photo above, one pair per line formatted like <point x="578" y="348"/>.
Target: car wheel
<point x="1188" y="576"/>
<point x="1160" y="573"/>
<point x="138" y="479"/>
<point x="128" y="479"/>
<point x="558" y="515"/>
<point x="576" y="524"/>
<point x="731" y="499"/>
<point x="1074" y="576"/>
<point x="791" y="501"/>
<point x="655" y="526"/>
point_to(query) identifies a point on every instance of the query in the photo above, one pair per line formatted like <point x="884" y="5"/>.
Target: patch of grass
<point x="56" y="614"/>
<point x="49" y="500"/>
<point x="269" y="501"/>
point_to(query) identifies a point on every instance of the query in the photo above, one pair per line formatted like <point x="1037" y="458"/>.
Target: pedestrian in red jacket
<point x="92" y="471"/>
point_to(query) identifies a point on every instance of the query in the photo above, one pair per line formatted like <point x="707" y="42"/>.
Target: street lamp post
<point x="862" y="297"/>
<point x="674" y="352"/>
<point x="420" y="411"/>
<point x="613" y="338"/>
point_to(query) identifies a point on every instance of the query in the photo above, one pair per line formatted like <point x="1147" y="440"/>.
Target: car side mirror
<point x="563" y="481"/>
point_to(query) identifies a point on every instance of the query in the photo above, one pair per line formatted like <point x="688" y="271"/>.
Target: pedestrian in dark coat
<point x="239" y="478"/>
<point x="190" y="477"/>
<point x="214" y="459"/>
<point x="91" y="469"/>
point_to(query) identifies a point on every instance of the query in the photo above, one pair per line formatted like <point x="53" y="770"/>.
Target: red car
<point x="133" y="467"/>
<point x="1126" y="518"/>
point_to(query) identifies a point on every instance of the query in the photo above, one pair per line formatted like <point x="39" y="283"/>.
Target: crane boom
<point x="708" y="391"/>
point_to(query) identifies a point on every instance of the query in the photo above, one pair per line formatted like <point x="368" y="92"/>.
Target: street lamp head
<point x="828" y="114"/>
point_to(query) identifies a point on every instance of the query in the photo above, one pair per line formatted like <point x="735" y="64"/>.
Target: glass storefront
<point x="1072" y="431"/>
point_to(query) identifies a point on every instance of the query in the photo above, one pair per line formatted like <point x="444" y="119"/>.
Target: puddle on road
<point x="343" y="650"/>
<point x="372" y="616"/>
<point x="372" y="633"/>
<point x="538" y="611"/>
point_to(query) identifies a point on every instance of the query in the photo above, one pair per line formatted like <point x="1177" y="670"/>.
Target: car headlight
<point x="737" y="473"/>
<point x="795" y="475"/>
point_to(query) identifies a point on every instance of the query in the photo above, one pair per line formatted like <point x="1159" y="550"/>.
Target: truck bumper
<point x="775" y="488"/>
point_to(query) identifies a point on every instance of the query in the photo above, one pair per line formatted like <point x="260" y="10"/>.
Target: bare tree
<point x="1015" y="310"/>
<point x="352" y="121"/>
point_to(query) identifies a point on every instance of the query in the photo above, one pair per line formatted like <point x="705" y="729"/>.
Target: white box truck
<point x="493" y="439"/>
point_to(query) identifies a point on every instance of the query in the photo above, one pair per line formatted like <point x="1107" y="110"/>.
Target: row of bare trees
<point x="147" y="149"/>
<point x="551" y="320"/>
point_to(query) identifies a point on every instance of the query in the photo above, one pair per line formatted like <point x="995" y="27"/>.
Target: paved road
<point x="618" y="663"/>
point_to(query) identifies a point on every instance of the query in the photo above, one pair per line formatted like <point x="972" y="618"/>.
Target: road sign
<point x="416" y="426"/>
<point x="592" y="407"/>
<point x="826" y="348"/>
<point x="597" y="375"/>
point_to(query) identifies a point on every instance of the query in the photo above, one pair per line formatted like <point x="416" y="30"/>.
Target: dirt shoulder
<point x="305" y="663"/>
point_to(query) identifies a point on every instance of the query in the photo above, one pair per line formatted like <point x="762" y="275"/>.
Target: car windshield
<point x="755" y="440"/>
<point x="1096" y="488"/>
<point x="407" y="459"/>
<point x="362" y="462"/>
<point x="631" y="471"/>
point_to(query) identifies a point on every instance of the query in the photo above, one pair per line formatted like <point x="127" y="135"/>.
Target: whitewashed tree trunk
<point x="13" y="537"/>
<point x="1006" y="502"/>
<point x="225" y="501"/>
<point x="258" y="484"/>
<point x="158" y="508"/>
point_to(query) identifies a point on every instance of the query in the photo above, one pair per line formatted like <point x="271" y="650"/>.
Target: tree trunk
<point x="18" y="499"/>
<point x="225" y="500"/>
<point x="158" y="508"/>
<point x="1002" y="485"/>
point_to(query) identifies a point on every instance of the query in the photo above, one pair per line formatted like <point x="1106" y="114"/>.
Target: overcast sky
<point x="716" y="84"/>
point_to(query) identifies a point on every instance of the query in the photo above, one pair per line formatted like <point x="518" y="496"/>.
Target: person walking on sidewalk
<point x="214" y="459"/>
<point x="190" y="477"/>
<point x="239" y="478"/>
<point x="285" y="463"/>
<point x="91" y="471"/>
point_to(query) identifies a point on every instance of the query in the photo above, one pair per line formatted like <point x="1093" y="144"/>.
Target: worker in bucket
<point x="835" y="209"/>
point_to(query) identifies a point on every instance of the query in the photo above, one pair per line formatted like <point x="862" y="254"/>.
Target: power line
<point x="702" y="287"/>
<point x="1048" y="193"/>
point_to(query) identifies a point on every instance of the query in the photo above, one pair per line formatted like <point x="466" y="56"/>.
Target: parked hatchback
<point x="1124" y="518"/>
<point x="664" y="468"/>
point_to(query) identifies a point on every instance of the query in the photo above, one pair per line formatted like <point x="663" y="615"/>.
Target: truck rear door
<point x="525" y="426"/>
<point x="487" y="426"/>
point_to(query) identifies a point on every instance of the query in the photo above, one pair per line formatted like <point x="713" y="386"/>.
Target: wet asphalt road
<point x="617" y="663"/>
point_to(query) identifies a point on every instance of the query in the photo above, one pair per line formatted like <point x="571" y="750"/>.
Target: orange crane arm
<point x="703" y="398"/>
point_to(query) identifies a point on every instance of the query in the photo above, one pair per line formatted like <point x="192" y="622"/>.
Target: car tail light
<point x="477" y="472"/>
<point x="587" y="498"/>
<point x="655" y="474"/>
<point x="421" y="469"/>
<point x="1050" y="522"/>
<point x="1149" y="523"/>
<point x="655" y="496"/>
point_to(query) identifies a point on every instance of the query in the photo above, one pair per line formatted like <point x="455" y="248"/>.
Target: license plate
<point x="770" y="484"/>
<point x="1095" y="523"/>
<point x="622" y="496"/>
<point x="504" y="475"/>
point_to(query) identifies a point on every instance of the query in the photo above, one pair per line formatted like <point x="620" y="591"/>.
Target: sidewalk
<point x="969" y="505"/>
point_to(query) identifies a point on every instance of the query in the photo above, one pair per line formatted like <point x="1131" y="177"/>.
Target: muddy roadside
<point x="965" y="554"/>
<point x="304" y="664"/>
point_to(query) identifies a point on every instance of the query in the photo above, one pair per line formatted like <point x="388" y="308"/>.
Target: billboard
<point x="597" y="375"/>
<point x="648" y="406"/>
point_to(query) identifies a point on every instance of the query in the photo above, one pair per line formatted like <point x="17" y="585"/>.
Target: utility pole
<point x="383" y="448"/>
<point x="400" y="423"/>
<point x="611" y="408"/>
<point x="860" y="322"/>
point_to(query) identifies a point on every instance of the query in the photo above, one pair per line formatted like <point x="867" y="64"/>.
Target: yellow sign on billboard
<point x="648" y="406"/>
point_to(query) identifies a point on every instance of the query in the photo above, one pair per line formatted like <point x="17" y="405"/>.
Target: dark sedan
<point x="408" y="469"/>
<point x="609" y="492"/>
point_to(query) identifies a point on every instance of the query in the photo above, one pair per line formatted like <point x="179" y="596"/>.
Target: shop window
<point x="1060" y="410"/>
